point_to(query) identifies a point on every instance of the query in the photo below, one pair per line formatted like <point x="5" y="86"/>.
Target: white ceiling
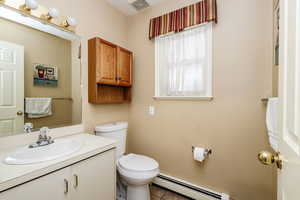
<point x="126" y="8"/>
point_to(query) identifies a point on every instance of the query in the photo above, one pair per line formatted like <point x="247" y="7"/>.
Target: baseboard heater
<point x="188" y="189"/>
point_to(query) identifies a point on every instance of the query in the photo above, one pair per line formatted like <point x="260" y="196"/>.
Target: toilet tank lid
<point x="111" y="127"/>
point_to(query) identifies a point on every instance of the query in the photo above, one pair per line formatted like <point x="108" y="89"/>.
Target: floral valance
<point x="199" y="13"/>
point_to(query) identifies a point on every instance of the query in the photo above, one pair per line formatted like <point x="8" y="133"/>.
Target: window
<point x="184" y="64"/>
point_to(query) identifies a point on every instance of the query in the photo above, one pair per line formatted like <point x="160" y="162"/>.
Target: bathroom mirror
<point x="40" y="74"/>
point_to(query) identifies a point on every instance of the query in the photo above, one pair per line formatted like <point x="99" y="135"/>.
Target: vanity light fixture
<point x="70" y="21"/>
<point x="29" y="5"/>
<point x="12" y="15"/>
<point x="52" y="13"/>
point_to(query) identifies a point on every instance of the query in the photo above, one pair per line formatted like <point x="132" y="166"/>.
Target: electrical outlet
<point x="151" y="110"/>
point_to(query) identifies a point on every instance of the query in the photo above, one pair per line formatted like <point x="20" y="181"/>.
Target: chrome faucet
<point x="28" y="127"/>
<point x="43" y="139"/>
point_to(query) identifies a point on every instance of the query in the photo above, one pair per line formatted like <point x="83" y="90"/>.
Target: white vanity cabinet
<point x="49" y="187"/>
<point x="91" y="179"/>
<point x="95" y="178"/>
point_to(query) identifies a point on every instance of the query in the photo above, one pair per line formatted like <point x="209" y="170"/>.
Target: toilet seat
<point x="138" y="163"/>
<point x="138" y="168"/>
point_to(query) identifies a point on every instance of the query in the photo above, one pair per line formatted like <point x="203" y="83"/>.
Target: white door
<point x="11" y="88"/>
<point x="95" y="178"/>
<point x="289" y="97"/>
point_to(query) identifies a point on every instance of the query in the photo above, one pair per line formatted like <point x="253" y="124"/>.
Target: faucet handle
<point x="28" y="127"/>
<point x="44" y="131"/>
<point x="50" y="140"/>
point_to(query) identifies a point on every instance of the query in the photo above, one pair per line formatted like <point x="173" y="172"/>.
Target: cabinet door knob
<point x="66" y="186"/>
<point x="76" y="181"/>
<point x="19" y="113"/>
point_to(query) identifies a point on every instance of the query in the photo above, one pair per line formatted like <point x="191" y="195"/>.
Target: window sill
<point x="187" y="98"/>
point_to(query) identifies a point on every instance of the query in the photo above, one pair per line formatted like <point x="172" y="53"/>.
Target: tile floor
<point x="158" y="193"/>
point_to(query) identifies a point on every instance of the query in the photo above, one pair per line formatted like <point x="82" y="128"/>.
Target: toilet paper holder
<point x="207" y="152"/>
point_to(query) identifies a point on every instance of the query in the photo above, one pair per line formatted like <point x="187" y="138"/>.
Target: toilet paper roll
<point x="199" y="154"/>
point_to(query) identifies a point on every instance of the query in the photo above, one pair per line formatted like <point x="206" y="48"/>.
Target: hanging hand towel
<point x="38" y="107"/>
<point x="272" y="122"/>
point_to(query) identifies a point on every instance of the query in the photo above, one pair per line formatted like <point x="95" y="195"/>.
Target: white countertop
<point x="12" y="175"/>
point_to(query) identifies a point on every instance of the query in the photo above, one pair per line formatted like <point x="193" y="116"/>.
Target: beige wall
<point x="95" y="18"/>
<point x="275" y="80"/>
<point x="47" y="49"/>
<point x="232" y="124"/>
<point x="76" y="84"/>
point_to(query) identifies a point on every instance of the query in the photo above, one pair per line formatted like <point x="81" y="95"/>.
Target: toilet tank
<point x="116" y="131"/>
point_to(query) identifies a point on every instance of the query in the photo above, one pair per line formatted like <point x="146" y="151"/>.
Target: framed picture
<point x="45" y="75"/>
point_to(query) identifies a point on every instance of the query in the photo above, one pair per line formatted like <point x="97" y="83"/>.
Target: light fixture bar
<point x="17" y="17"/>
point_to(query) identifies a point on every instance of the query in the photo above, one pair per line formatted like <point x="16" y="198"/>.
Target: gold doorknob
<point x="19" y="113"/>
<point x="268" y="158"/>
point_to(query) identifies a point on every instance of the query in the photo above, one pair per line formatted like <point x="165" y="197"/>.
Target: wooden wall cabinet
<point x="105" y="62"/>
<point x="124" y="72"/>
<point x="110" y="72"/>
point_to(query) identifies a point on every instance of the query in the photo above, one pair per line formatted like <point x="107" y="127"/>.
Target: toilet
<point x="136" y="171"/>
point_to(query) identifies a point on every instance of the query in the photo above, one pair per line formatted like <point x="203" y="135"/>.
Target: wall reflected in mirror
<point x="39" y="79"/>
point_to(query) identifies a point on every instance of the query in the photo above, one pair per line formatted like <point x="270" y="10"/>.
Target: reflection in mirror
<point x="39" y="79"/>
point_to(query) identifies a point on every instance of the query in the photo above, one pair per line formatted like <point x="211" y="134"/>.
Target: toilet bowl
<point x="136" y="171"/>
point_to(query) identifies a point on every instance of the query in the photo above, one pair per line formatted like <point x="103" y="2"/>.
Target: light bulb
<point x="28" y="6"/>
<point x="31" y="4"/>
<point x="71" y="21"/>
<point x="53" y="12"/>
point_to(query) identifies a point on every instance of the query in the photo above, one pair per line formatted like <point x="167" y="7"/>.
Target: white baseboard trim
<point x="188" y="189"/>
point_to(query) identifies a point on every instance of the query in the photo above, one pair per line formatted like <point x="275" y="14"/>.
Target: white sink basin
<point x="26" y="155"/>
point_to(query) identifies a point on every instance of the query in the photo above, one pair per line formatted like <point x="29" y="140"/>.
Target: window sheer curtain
<point x="184" y="63"/>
